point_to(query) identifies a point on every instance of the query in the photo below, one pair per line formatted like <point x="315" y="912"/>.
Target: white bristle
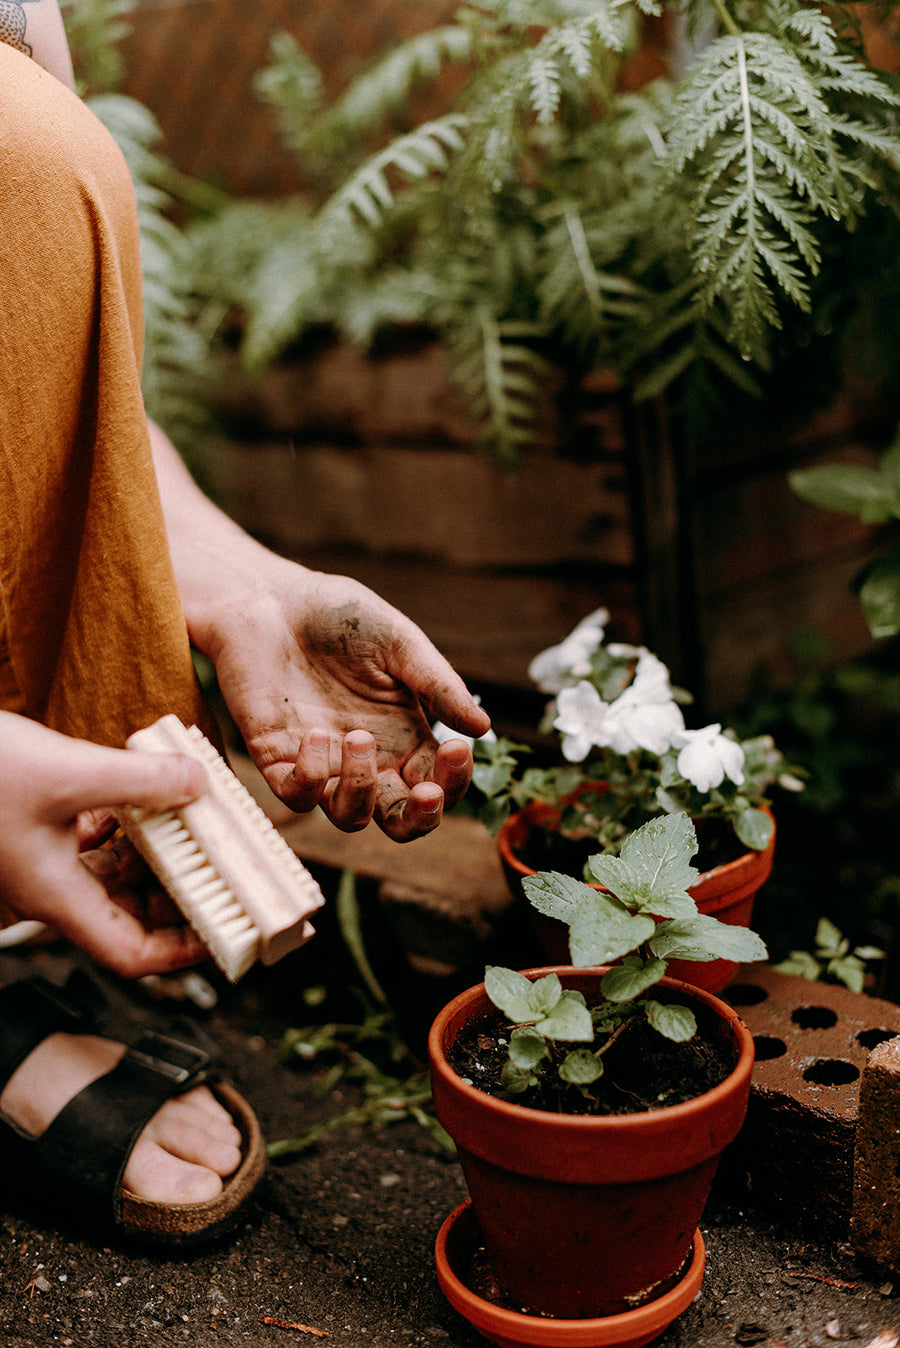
<point x="223" y="861"/>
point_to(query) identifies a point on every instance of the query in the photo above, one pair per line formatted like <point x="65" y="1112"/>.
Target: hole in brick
<point x="745" y="994"/>
<point x="768" y="1047"/>
<point x="872" y="1038"/>
<point x="831" y="1072"/>
<point x="814" y="1017"/>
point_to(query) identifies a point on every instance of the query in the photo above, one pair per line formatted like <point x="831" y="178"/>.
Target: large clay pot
<point x="726" y="892"/>
<point x="588" y="1216"/>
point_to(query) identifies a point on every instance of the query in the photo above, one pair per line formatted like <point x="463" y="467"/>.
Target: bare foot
<point x="182" y="1155"/>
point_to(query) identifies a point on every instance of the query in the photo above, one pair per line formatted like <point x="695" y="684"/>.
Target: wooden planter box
<point x="368" y="466"/>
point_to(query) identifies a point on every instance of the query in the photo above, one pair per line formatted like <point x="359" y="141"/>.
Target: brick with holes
<point x="794" y="1155"/>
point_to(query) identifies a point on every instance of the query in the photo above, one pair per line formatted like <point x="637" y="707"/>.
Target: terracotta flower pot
<point x="587" y="1215"/>
<point x="459" y="1238"/>
<point x="726" y="892"/>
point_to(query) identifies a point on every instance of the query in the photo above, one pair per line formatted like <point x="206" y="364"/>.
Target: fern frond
<point x="368" y="194"/>
<point x="544" y="85"/>
<point x="385" y="87"/>
<point x="95" y="30"/>
<point x="292" y="84"/>
<point x="501" y="380"/>
<point x="755" y="127"/>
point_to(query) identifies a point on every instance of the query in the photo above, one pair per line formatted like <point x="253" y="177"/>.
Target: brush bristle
<point x="223" y="861"/>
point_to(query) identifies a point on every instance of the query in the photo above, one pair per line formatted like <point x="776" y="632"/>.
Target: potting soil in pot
<point x="642" y="1070"/>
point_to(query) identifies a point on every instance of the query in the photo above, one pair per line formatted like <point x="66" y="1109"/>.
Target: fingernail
<point x="359" y="748"/>
<point x="318" y="740"/>
<point x="193" y="778"/>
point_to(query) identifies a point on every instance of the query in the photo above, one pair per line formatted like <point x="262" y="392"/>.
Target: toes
<point x="190" y="1131"/>
<point x="155" y="1174"/>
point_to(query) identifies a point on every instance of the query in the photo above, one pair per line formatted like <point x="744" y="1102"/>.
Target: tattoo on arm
<point x="12" y="24"/>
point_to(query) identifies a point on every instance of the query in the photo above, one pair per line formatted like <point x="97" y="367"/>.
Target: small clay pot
<point x="456" y="1243"/>
<point x="726" y="892"/>
<point x="587" y="1215"/>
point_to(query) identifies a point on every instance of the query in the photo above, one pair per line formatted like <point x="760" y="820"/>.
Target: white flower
<point x="442" y="732"/>
<point x="645" y="715"/>
<point x="581" y="713"/>
<point x="707" y="757"/>
<point x="560" y="666"/>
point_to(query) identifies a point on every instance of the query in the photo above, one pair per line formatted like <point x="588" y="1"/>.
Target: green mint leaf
<point x="515" y="1080"/>
<point x="510" y="992"/>
<point x="575" y="996"/>
<point x="828" y="937"/>
<point x="568" y="1020"/>
<point x="851" y="488"/>
<point x="850" y="971"/>
<point x="754" y="828"/>
<point x="704" y="938"/>
<point x="555" y="895"/>
<point x="526" y="1049"/>
<point x="631" y="978"/>
<point x="878" y="594"/>
<point x="491" y="778"/>
<point x="544" y="995"/>
<point x="675" y="1022"/>
<point x="653" y="867"/>
<point x="800" y="964"/>
<point x="603" y="930"/>
<point x="580" y="1067"/>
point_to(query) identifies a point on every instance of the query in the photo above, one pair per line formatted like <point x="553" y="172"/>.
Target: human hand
<point x="55" y="799"/>
<point x="333" y="691"/>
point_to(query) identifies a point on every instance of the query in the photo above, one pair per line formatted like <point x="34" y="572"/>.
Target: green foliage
<point x="94" y="29"/>
<point x="833" y="959"/>
<point x="872" y="494"/>
<point x="174" y="350"/>
<point x="370" y="1054"/>
<point x="175" y="347"/>
<point x="553" y="217"/>
<point x="646" y="919"/>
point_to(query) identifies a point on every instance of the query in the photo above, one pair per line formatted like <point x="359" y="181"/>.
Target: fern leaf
<point x="502" y="381"/>
<point x="756" y="128"/>
<point x="385" y="87"/>
<point x="544" y="83"/>
<point x="368" y="193"/>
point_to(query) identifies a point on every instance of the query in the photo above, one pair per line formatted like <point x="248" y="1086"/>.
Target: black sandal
<point x="76" y="1165"/>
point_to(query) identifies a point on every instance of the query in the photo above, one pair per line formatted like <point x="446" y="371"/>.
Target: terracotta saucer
<point x="459" y="1237"/>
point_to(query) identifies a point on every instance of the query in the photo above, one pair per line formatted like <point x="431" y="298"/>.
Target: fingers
<point x="116" y="937"/>
<point x="303" y="787"/>
<point x="450" y="768"/>
<point x="349" y="801"/>
<point x="405" y="806"/>
<point x="152" y="781"/>
<point x="436" y="684"/>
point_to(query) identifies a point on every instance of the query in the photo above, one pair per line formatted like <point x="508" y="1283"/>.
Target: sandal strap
<point x="34" y="1008"/>
<point x="91" y="1138"/>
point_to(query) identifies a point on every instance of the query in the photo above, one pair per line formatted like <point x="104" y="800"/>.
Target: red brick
<point x="795" y="1151"/>
<point x="875" y="1218"/>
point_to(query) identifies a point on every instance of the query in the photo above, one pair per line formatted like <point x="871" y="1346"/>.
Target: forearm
<point x="44" y="38"/>
<point x="223" y="574"/>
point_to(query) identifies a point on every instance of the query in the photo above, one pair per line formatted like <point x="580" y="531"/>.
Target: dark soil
<point x="642" y="1069"/>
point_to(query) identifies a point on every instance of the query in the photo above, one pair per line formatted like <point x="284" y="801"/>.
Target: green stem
<point x="604" y="1048"/>
<point x="364" y="1114"/>
<point x="727" y="21"/>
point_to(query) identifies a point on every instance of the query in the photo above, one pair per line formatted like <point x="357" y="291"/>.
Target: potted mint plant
<point x="590" y="1104"/>
<point x="627" y="757"/>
